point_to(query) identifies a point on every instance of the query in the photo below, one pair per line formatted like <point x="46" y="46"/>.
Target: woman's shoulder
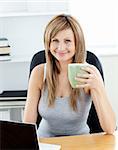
<point x="37" y="74"/>
<point x="38" y="69"/>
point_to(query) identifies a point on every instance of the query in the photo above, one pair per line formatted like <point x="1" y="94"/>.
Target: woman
<point x="64" y="109"/>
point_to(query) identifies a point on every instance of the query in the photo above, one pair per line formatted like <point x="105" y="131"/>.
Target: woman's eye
<point x="67" y="41"/>
<point x="55" y="40"/>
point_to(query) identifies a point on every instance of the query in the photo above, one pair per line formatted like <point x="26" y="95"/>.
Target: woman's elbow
<point x="110" y="130"/>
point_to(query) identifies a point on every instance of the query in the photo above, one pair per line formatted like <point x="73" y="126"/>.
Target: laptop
<point x="18" y="136"/>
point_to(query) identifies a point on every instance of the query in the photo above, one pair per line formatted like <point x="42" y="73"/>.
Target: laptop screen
<point x="15" y="135"/>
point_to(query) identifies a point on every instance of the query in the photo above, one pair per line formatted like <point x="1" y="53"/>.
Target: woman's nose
<point x="61" y="47"/>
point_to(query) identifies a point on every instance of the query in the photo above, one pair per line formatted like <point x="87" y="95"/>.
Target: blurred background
<point x="22" y="24"/>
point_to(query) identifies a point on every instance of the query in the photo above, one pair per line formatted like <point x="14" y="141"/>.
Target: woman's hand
<point x="92" y="80"/>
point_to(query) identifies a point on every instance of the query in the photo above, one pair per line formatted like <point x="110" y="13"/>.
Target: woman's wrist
<point x="98" y="93"/>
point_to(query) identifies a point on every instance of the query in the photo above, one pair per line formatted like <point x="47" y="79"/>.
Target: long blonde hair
<point x="59" y="23"/>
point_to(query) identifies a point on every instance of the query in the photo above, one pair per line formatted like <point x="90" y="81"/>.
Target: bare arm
<point x="33" y="96"/>
<point x="100" y="99"/>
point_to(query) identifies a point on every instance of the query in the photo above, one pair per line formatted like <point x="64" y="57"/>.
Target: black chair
<point x="93" y="121"/>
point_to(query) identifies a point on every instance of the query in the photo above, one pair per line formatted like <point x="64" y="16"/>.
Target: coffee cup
<point x="75" y="69"/>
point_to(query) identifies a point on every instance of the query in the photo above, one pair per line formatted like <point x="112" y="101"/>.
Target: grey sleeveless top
<point x="61" y="120"/>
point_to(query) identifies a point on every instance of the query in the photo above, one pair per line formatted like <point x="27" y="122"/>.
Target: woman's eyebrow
<point x="66" y="38"/>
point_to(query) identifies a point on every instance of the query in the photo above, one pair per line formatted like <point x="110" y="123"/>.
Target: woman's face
<point x="62" y="46"/>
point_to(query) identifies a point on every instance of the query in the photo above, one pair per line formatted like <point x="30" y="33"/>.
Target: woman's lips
<point x="62" y="53"/>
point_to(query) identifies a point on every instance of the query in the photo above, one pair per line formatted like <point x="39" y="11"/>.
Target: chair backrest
<point x="93" y="121"/>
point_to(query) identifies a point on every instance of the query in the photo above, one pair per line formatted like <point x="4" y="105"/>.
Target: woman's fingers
<point x="82" y="85"/>
<point x="82" y="80"/>
<point x="85" y="80"/>
<point x="90" y="69"/>
<point x="86" y="75"/>
<point x="91" y="78"/>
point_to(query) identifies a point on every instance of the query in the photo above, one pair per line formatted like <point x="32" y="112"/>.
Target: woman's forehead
<point x="65" y="33"/>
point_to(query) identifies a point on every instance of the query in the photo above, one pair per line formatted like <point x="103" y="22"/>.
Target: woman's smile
<point x="62" y="53"/>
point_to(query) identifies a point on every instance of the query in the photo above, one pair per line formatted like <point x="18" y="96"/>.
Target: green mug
<point x="73" y="70"/>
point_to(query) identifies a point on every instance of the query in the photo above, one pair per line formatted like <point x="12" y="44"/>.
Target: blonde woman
<point x="64" y="110"/>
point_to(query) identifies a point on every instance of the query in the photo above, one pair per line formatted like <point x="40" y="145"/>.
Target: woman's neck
<point x="64" y="66"/>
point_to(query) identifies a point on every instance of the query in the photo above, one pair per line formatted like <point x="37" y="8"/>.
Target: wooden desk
<point x="98" y="141"/>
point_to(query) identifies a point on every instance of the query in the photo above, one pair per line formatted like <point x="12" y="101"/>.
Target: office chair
<point x="92" y="121"/>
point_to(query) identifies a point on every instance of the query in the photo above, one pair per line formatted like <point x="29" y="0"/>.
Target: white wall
<point x="99" y="20"/>
<point x="25" y="33"/>
<point x="110" y="67"/>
